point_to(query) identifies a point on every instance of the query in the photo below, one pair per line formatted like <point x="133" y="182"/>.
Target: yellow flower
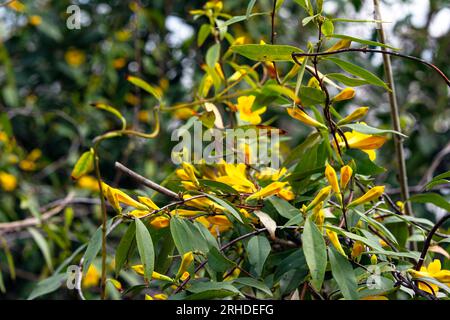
<point x="320" y="197"/>
<point x="202" y="203"/>
<point x="270" y="190"/>
<point x="239" y="40"/>
<point x="17" y="6"/>
<point x="92" y="277"/>
<point x="160" y="296"/>
<point x="303" y="117"/>
<point x="365" y="142"/>
<point x="183" y="113"/>
<point x="318" y="215"/>
<point x="8" y="182"/>
<point x="119" y="63"/>
<point x="139" y="269"/>
<point x="186" y="261"/>
<point x="358" y="248"/>
<point x="35" y="20"/>
<point x="346" y="94"/>
<point x="341" y="44"/>
<point x="434" y="270"/>
<point x="184" y="276"/>
<point x="89" y="183"/>
<point x="160" y="222"/>
<point x="115" y="195"/>
<point x="148" y="297"/>
<point x="148" y="202"/>
<point x="355" y="115"/>
<point x="235" y="176"/>
<point x="75" y="57"/>
<point x="271" y="174"/>
<point x="346" y="175"/>
<point x="286" y="193"/>
<point x="335" y="241"/>
<point x="233" y="275"/>
<point x="139" y="213"/>
<point x="116" y="284"/>
<point x="190" y="172"/>
<point x="370" y="195"/>
<point x="331" y="176"/>
<point x="374" y="259"/>
<point x="244" y="107"/>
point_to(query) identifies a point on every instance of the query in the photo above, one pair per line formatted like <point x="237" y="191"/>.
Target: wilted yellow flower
<point x="335" y="241"/>
<point x="8" y="182"/>
<point x="92" y="277"/>
<point x="303" y="117"/>
<point x="370" y="195"/>
<point x="346" y="94"/>
<point x="186" y="261"/>
<point x="434" y="270"/>
<point x="35" y="20"/>
<point x="244" y="107"/>
<point x="270" y="190"/>
<point x="346" y="175"/>
<point x="160" y="222"/>
<point x="75" y="57"/>
<point x="320" y="197"/>
<point x="355" y="115"/>
<point x="358" y="248"/>
<point x="139" y="269"/>
<point x="89" y="183"/>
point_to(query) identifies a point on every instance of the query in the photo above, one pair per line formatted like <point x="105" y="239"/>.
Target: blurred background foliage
<point x="50" y="75"/>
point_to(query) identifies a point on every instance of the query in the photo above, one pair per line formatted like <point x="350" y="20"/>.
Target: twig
<point x="146" y="182"/>
<point x="272" y="37"/>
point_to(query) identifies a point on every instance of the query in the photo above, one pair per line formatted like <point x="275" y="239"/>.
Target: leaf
<point x="43" y="246"/>
<point x="84" y="165"/>
<point x="146" y="86"/>
<point x="250" y="282"/>
<point x="439" y="179"/>
<point x="327" y="27"/>
<point x="348" y="81"/>
<point x="145" y="248"/>
<point x="258" y="249"/>
<point x="364" y="165"/>
<point x="302" y="3"/>
<point x="124" y="247"/>
<point x="284" y="208"/>
<point x="344" y="275"/>
<point x="113" y="111"/>
<point x="212" y="55"/>
<point x="203" y="33"/>
<point x="237" y="19"/>
<point x="2" y="283"/>
<point x="47" y="286"/>
<point x="267" y="221"/>
<point x="363" y="128"/>
<point x="363" y="41"/>
<point x="210" y="290"/>
<point x="315" y="251"/>
<point x="433" y="198"/>
<point x="218" y="262"/>
<point x="359" y="72"/>
<point x="311" y="96"/>
<point x="302" y="148"/>
<point x="227" y="205"/>
<point x="265" y="52"/>
<point x="250" y="6"/>
<point x="93" y="247"/>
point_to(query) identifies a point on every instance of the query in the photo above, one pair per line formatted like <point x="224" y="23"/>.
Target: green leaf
<point x="145" y="248"/>
<point x="364" y="165"/>
<point x="311" y="96"/>
<point x="84" y="165"/>
<point x="210" y="290"/>
<point x="302" y="3"/>
<point x="433" y="198"/>
<point x="227" y="205"/>
<point x="258" y="249"/>
<point x="315" y="251"/>
<point x="124" y="247"/>
<point x="250" y="282"/>
<point x="212" y="55"/>
<point x="327" y="27"/>
<point x="348" y="81"/>
<point x="438" y="180"/>
<point x="2" y="283"/>
<point x="250" y="6"/>
<point x="146" y="86"/>
<point x="363" y="41"/>
<point x="203" y="33"/>
<point x="47" y="286"/>
<point x="217" y="186"/>
<point x="302" y="148"/>
<point x="43" y="246"/>
<point x="93" y="247"/>
<point x="112" y="110"/>
<point x="284" y="208"/>
<point x="218" y="262"/>
<point x="237" y="19"/>
<point x="265" y="52"/>
<point x="371" y="130"/>
<point x="359" y="72"/>
<point x="344" y="275"/>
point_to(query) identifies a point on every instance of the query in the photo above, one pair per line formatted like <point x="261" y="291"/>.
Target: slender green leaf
<point x="344" y="275"/>
<point x="84" y="165"/>
<point x="43" y="246"/>
<point x="265" y="52"/>
<point x="433" y="198"/>
<point x="124" y="247"/>
<point x="145" y="247"/>
<point x="315" y="251"/>
<point x="258" y="249"/>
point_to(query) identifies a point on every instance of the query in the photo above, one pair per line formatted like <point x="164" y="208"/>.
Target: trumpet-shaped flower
<point x="235" y="176"/>
<point x="433" y="270"/>
<point x="370" y="195"/>
<point x="303" y="117"/>
<point x="335" y="241"/>
<point x="355" y="115"/>
<point x="244" y="107"/>
<point x="365" y="142"/>
<point x="346" y="94"/>
<point x="186" y="261"/>
<point x="331" y="176"/>
<point x="320" y="197"/>
<point x="160" y="222"/>
<point x="270" y="190"/>
<point x="139" y="269"/>
<point x="346" y="175"/>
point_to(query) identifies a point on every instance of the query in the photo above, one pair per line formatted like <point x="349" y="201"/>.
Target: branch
<point x="146" y="182"/>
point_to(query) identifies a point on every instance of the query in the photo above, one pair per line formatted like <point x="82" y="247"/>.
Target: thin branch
<point x="146" y="182"/>
<point x="272" y="37"/>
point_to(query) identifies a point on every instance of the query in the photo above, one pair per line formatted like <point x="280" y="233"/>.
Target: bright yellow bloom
<point x="148" y="202"/>
<point x="370" y="195"/>
<point x="270" y="190"/>
<point x="286" y="193"/>
<point x="75" y="57"/>
<point x="434" y="270"/>
<point x="186" y="212"/>
<point x="139" y="269"/>
<point x="8" y="182"/>
<point x="331" y="176"/>
<point x="346" y="175"/>
<point x="365" y="142"/>
<point x="358" y="248"/>
<point x="115" y="195"/>
<point x="186" y="261"/>
<point x="160" y="296"/>
<point x="235" y="176"/>
<point x="35" y="20"/>
<point x="190" y="172"/>
<point x="148" y="297"/>
<point x="374" y="259"/>
<point x="202" y="203"/>
<point x="116" y="284"/>
<point x="89" y="183"/>
<point x="300" y="115"/>
<point x="318" y="215"/>
<point x="355" y="115"/>
<point x="160" y="222"/>
<point x="320" y="197"/>
<point x="271" y="174"/>
<point x="335" y="241"/>
<point x="220" y="220"/>
<point x="139" y="213"/>
<point x="184" y="276"/>
<point x="244" y="107"/>
<point x="346" y="94"/>
<point x="17" y="6"/>
<point x="92" y="277"/>
<point x="239" y="40"/>
<point x="234" y="275"/>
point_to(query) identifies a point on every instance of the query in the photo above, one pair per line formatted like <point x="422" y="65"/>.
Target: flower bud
<point x="346" y="94"/>
<point x="355" y="115"/>
<point x="370" y="195"/>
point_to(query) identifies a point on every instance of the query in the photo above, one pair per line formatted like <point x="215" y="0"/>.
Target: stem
<point x="272" y="37"/>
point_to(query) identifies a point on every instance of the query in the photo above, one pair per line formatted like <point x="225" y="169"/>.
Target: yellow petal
<point x="370" y="195"/>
